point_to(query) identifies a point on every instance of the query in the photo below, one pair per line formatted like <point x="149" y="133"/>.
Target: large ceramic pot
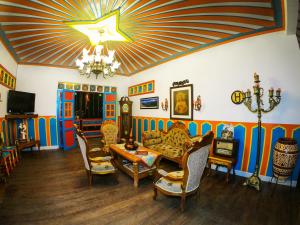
<point x="284" y="157"/>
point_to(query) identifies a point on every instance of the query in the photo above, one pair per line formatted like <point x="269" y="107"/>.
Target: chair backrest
<point x="1" y="139"/>
<point x="83" y="145"/>
<point x="110" y="131"/>
<point x="194" y="162"/>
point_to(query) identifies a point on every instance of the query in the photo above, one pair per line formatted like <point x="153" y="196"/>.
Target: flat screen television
<point x="19" y="102"/>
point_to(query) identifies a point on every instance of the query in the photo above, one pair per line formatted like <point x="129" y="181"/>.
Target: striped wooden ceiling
<point x="35" y="32"/>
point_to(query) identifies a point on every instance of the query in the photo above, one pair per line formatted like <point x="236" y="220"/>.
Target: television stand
<point x="20" y="116"/>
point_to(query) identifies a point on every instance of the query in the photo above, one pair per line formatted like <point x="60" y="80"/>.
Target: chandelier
<point x="97" y="63"/>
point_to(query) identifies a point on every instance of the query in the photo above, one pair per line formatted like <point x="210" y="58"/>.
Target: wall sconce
<point x="197" y="103"/>
<point x="164" y="106"/>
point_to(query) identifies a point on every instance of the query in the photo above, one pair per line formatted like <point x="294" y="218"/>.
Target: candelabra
<point x="254" y="180"/>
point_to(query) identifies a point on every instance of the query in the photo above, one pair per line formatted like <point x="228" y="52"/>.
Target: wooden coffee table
<point x="135" y="167"/>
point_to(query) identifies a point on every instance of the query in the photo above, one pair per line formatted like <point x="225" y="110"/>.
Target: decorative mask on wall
<point x="165" y="105"/>
<point x="197" y="103"/>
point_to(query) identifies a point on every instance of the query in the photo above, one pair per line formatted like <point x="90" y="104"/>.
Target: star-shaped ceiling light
<point x="103" y="29"/>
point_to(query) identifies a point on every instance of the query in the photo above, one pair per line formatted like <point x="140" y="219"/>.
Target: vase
<point x="284" y="157"/>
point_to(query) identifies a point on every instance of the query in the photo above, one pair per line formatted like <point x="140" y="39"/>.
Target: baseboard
<point x="263" y="178"/>
<point x="54" y="147"/>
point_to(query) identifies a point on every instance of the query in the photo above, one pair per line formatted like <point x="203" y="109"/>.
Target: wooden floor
<point x="51" y="187"/>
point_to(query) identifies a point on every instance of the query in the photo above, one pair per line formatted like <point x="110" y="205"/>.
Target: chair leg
<point x="16" y="155"/>
<point x="198" y="194"/>
<point x="92" y="179"/>
<point x="155" y="192"/>
<point x="182" y="204"/>
<point x="13" y="159"/>
<point x="89" y="175"/>
<point x="6" y="167"/>
<point x="116" y="174"/>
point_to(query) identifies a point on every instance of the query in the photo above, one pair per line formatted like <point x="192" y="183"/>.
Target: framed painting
<point x="6" y="78"/>
<point x="181" y="102"/>
<point x="149" y="103"/>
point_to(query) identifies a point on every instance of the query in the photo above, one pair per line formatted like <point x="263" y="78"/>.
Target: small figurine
<point x="164" y="106"/>
<point x="131" y="145"/>
<point x="227" y="132"/>
<point x="23" y="132"/>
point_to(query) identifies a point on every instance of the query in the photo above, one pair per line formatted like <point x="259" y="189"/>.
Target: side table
<point x="222" y="161"/>
<point x="223" y="154"/>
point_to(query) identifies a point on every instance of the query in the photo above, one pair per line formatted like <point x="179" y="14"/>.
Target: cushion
<point x="176" y="175"/>
<point x="176" y="137"/>
<point x="103" y="159"/>
<point x="5" y="154"/>
<point x="102" y="168"/>
<point x="95" y="149"/>
<point x="151" y="134"/>
<point x="168" y="150"/>
<point x="152" y="141"/>
<point x="169" y="186"/>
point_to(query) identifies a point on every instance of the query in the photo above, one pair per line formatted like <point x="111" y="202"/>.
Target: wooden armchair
<point x="187" y="181"/>
<point x="94" y="165"/>
<point x="109" y="131"/>
<point x="8" y="156"/>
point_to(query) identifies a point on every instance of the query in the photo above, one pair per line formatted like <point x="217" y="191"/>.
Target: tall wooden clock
<point x="126" y="117"/>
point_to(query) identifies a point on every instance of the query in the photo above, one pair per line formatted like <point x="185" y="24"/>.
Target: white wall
<point x="218" y="71"/>
<point x="44" y="80"/>
<point x="11" y="65"/>
<point x="291" y="19"/>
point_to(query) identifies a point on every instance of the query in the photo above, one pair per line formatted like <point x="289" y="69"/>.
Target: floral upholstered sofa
<point x="172" y="144"/>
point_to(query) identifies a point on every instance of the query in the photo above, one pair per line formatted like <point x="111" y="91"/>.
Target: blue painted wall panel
<point x="193" y="129"/>
<point x="219" y="130"/>
<point x="53" y="131"/>
<point x="239" y="134"/>
<point x="169" y="124"/>
<point x="153" y="125"/>
<point x="31" y="133"/>
<point x="160" y="125"/>
<point x="139" y="130"/>
<point x="134" y="129"/>
<point x="296" y="171"/>
<point x="146" y="122"/>
<point x="42" y="130"/>
<point x="205" y="128"/>
<point x="252" y="161"/>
